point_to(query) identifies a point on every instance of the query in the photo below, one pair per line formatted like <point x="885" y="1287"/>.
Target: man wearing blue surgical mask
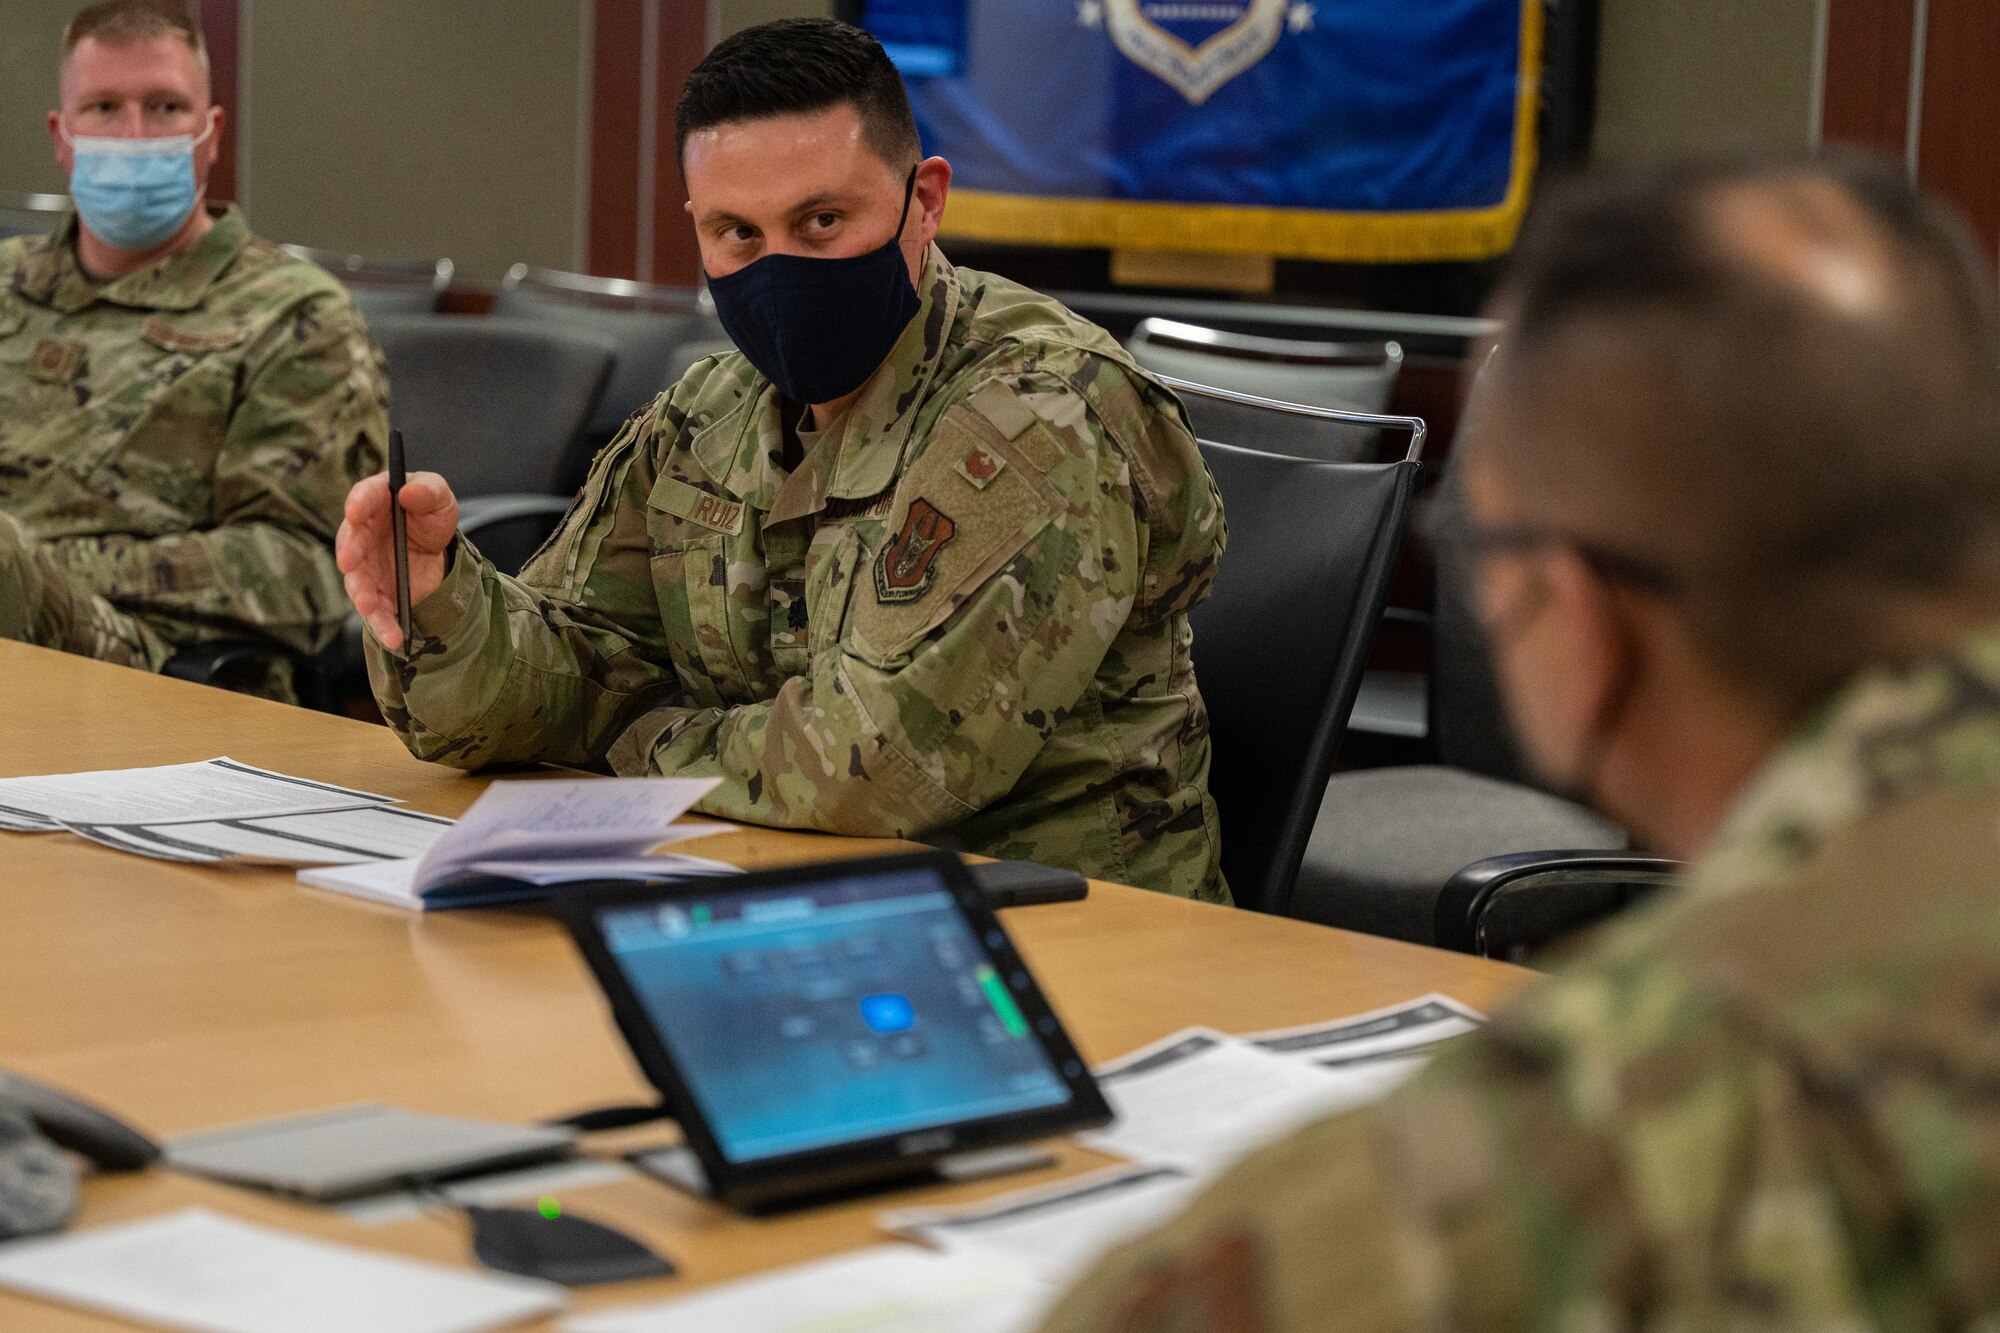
<point x="182" y="405"/>
<point x="917" y="561"/>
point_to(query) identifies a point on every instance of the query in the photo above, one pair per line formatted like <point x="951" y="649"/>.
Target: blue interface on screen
<point x="831" y="1013"/>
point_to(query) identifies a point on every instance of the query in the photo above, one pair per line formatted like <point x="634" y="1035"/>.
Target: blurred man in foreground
<point x="182" y="405"/>
<point x="1734" y="503"/>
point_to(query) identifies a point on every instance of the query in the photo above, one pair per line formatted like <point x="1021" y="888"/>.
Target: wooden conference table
<point x="187" y="997"/>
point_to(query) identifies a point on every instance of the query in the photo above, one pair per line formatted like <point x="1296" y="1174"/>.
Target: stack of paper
<point x="1054" y="1231"/>
<point x="170" y="794"/>
<point x="1187" y="1107"/>
<point x="218" y="810"/>
<point x="521" y="837"/>
<point x="884" y="1289"/>
<point x="1200" y="1099"/>
<point x="199" y="1270"/>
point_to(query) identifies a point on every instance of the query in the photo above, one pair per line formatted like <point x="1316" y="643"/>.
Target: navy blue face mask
<point x="818" y="328"/>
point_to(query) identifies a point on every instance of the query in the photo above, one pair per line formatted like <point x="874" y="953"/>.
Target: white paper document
<point x="1198" y="1100"/>
<point x="202" y="1271"/>
<point x="520" y="835"/>
<point x="395" y="882"/>
<point x="1056" y="1231"/>
<point x="1375" y="1050"/>
<point x="548" y="821"/>
<point x="326" y="837"/>
<point x="173" y="793"/>
<point x="883" y="1289"/>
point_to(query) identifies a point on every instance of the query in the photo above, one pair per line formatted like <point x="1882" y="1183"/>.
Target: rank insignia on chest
<point x="980" y="467"/>
<point x="57" y="360"/>
<point x="904" y="570"/>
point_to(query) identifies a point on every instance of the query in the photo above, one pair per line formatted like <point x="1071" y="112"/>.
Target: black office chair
<point x="654" y="327"/>
<point x="237" y="664"/>
<point x="494" y="404"/>
<point x="1280" y="645"/>
<point x="1456" y="853"/>
<point x="380" y="287"/>
<point x="1515" y="905"/>
<point x="1350" y="376"/>
<point x="31" y="214"/>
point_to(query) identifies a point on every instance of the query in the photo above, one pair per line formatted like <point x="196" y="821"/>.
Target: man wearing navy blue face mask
<point x="917" y="561"/>
<point x="182" y="405"/>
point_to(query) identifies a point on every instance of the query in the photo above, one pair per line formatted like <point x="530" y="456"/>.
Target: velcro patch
<point x="908" y="565"/>
<point x="1001" y="406"/>
<point x="163" y="334"/>
<point x="697" y="506"/>
<point x="57" y="360"/>
<point x="980" y="466"/>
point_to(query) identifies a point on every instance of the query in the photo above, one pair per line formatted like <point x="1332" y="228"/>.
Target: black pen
<point x="399" y="535"/>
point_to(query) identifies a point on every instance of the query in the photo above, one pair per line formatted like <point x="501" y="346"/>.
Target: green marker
<point x="1002" y="1001"/>
<point x="549" y="1207"/>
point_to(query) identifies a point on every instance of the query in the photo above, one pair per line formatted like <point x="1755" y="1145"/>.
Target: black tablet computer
<point x="829" y="1025"/>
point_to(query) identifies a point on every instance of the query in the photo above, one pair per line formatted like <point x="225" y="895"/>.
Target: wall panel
<point x="395" y="129"/>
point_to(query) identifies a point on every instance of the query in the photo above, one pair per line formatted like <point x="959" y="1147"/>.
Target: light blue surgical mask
<point x="134" y="193"/>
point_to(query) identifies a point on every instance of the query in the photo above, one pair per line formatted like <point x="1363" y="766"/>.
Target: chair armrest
<point x="508" y="529"/>
<point x="202" y="663"/>
<point x="482" y="510"/>
<point x="1573" y="888"/>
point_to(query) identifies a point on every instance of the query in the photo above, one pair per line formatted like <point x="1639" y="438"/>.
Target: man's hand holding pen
<point x="365" y="545"/>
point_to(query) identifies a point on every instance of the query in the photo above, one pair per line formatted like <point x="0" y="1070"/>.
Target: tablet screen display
<point x="830" y="1012"/>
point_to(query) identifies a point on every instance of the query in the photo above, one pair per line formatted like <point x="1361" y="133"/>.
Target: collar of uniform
<point x="860" y="456"/>
<point x="1891" y="735"/>
<point x="54" y="277"/>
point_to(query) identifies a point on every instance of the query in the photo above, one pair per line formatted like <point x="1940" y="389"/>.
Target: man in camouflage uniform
<point x="950" y="597"/>
<point x="180" y="419"/>
<point x="1772" y="397"/>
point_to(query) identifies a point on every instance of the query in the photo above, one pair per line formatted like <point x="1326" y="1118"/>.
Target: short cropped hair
<point x="122" y="22"/>
<point x="797" y="67"/>
<point x="1804" y="436"/>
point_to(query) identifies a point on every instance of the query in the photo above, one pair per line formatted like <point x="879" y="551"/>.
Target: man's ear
<point x="1559" y="647"/>
<point x="1585" y="611"/>
<point x="65" y="158"/>
<point x="933" y="184"/>
<point x="211" y="147"/>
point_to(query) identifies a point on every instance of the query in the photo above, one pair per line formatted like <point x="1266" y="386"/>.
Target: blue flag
<point x="1365" y="130"/>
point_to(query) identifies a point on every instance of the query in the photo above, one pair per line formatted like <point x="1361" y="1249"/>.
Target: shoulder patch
<point x="907" y="566"/>
<point x="57" y="360"/>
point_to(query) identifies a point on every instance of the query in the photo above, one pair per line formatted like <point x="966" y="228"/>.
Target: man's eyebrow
<point x="156" y="94"/>
<point x="721" y="215"/>
<point x="811" y="203"/>
<point x="819" y="201"/>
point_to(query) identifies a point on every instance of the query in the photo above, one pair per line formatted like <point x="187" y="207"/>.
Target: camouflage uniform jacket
<point x="180" y="440"/>
<point x="964" y="610"/>
<point x="1772" y="1102"/>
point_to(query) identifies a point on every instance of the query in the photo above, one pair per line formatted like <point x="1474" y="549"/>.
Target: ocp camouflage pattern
<point x="964" y="613"/>
<point x="176" y="446"/>
<point x="1769" y="1102"/>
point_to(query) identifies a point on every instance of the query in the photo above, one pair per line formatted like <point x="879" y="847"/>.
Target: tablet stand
<point x="677" y="1165"/>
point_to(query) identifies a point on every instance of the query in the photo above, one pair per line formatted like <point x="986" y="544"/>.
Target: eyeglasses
<point x="1447" y="527"/>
